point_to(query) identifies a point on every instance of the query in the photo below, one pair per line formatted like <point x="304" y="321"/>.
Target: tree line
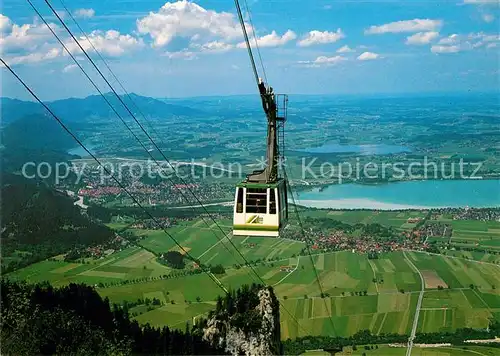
<point x="41" y="319"/>
<point x="42" y="222"/>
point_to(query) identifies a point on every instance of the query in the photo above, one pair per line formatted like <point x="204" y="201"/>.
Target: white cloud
<point x="69" y="68"/>
<point x="488" y="18"/>
<point x="184" y="54"/>
<point x="84" y="13"/>
<point x="445" y="49"/>
<point x="345" y="49"/>
<point x="202" y="30"/>
<point x="368" y="56"/>
<point x="415" y="25"/>
<point x="482" y="2"/>
<point x="272" y="40"/>
<point x="35" y="57"/>
<point x="422" y="38"/>
<point x="5" y="24"/>
<point x="62" y="14"/>
<point x="188" y="20"/>
<point x="111" y="43"/>
<point x="27" y="37"/>
<point x="321" y="37"/>
<point x="482" y="39"/>
<point x="323" y="61"/>
<point x="31" y="43"/>
<point x="214" y="46"/>
<point x="451" y="39"/>
<point x="458" y="43"/>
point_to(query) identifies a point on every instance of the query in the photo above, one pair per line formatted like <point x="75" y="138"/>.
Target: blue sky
<point x="178" y="49"/>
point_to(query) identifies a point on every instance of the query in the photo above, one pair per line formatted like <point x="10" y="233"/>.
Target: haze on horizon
<point x="321" y="47"/>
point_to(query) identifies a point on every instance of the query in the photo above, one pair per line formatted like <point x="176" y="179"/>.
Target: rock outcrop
<point x="246" y="322"/>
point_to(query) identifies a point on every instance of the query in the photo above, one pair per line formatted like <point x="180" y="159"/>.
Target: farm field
<point x="446" y="310"/>
<point x="375" y="294"/>
<point x="484" y="234"/>
<point x="458" y="273"/>
<point x="378" y="313"/>
<point x="131" y="263"/>
<point x="345" y="276"/>
<point x="344" y="272"/>
<point x="474" y="255"/>
<point x="474" y="233"/>
<point x="384" y="350"/>
<point x="212" y="247"/>
<point x="396" y="219"/>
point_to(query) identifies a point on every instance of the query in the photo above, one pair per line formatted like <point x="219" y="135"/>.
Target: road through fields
<point x="417" y="310"/>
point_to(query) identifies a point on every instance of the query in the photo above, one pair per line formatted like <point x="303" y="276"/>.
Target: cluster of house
<point x="482" y="214"/>
<point x="98" y="192"/>
<point x="160" y="223"/>
<point x="338" y="240"/>
<point x="99" y="251"/>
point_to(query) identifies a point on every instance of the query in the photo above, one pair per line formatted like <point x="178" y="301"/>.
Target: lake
<point x="377" y="149"/>
<point x="79" y="151"/>
<point x="405" y="195"/>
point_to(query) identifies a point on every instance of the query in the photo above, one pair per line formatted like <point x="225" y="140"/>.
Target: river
<point x="405" y="195"/>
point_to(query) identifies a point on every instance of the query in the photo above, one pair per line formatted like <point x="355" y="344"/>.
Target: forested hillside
<point x="40" y="319"/>
<point x="39" y="222"/>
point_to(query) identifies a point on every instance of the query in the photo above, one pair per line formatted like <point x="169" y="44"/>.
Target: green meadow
<point x="461" y="289"/>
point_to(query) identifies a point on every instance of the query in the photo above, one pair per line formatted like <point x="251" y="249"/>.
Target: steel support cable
<point x="158" y="137"/>
<point x="255" y="39"/>
<point x="135" y="136"/>
<point x="237" y="250"/>
<point x="252" y="61"/>
<point x="247" y="41"/>
<point x="157" y="223"/>
<point x="308" y="241"/>
<point x="145" y="132"/>
<point x="142" y="128"/>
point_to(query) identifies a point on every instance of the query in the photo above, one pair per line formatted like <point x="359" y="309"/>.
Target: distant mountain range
<point x="29" y="133"/>
<point x="91" y="107"/>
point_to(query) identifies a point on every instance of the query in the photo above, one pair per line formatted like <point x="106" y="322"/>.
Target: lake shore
<point x="426" y="194"/>
<point x="358" y="204"/>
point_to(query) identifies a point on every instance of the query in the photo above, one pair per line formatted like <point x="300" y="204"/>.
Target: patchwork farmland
<point x="461" y="289"/>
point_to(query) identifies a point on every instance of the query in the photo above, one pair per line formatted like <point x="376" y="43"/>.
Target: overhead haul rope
<point x="255" y="40"/>
<point x="130" y="130"/>
<point x="158" y="224"/>
<point x="115" y="111"/>
<point x="110" y="71"/>
<point x="90" y="59"/>
<point x="149" y="137"/>
<point x="306" y="239"/>
<point x="245" y="35"/>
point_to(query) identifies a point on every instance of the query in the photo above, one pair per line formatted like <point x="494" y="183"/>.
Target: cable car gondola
<point x="261" y="203"/>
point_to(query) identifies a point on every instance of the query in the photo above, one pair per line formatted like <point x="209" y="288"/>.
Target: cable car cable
<point x="307" y="241"/>
<point x="145" y="132"/>
<point x="245" y="35"/>
<point x="109" y="69"/>
<point x="140" y="142"/>
<point x="242" y="23"/>
<point x="214" y="279"/>
<point x="256" y="41"/>
<point x="135" y="119"/>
